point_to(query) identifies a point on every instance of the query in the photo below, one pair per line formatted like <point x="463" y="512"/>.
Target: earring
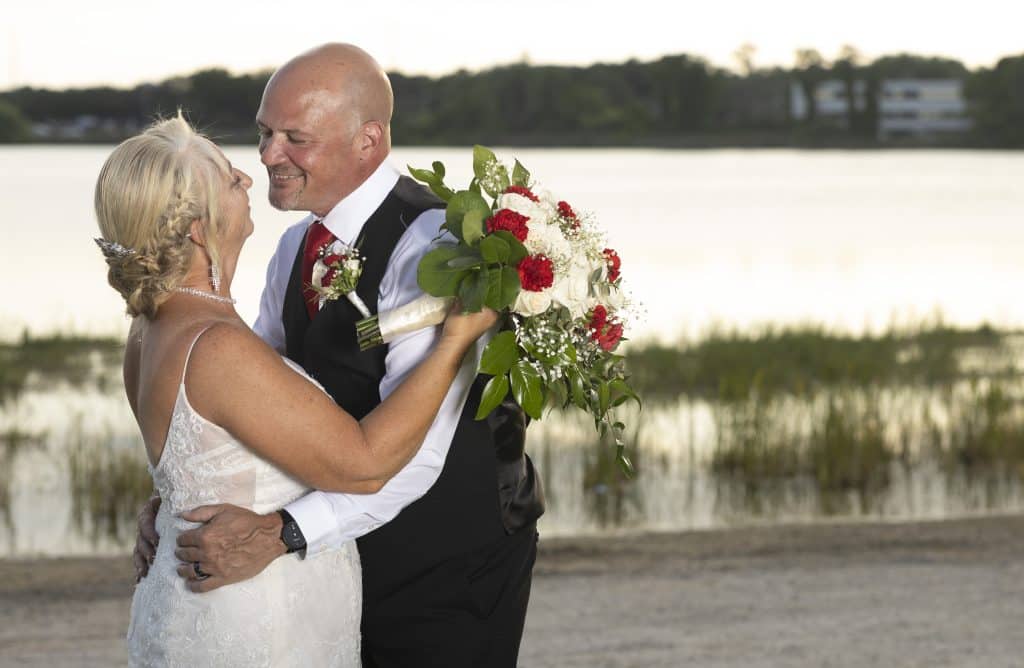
<point x="215" y="277"/>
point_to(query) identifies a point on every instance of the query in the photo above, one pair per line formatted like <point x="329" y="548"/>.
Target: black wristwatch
<point x="291" y="534"/>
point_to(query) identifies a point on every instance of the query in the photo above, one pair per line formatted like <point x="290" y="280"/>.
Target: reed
<point x="108" y="485"/>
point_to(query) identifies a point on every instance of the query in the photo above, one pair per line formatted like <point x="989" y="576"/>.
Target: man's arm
<point x="329" y="520"/>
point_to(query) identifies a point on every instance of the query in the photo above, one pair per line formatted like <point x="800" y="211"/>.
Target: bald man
<point x="448" y="545"/>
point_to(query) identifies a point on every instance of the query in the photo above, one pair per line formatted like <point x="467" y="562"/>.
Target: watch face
<point x="292" y="536"/>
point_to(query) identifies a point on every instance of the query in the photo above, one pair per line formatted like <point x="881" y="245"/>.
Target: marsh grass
<point x="12" y="442"/>
<point x="77" y="360"/>
<point x="803" y="361"/>
<point x="108" y="485"/>
<point x="805" y="404"/>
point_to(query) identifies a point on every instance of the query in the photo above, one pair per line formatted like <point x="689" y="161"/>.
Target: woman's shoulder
<point x="224" y="341"/>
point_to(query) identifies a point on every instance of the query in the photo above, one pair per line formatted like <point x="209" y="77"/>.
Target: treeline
<point x="677" y="100"/>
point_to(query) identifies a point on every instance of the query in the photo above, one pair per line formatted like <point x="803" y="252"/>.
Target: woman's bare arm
<point x="237" y="382"/>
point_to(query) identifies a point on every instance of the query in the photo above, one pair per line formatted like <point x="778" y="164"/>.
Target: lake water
<point x="734" y="237"/>
<point x="737" y="238"/>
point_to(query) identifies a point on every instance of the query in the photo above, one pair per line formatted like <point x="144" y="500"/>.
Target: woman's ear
<point x="197" y="233"/>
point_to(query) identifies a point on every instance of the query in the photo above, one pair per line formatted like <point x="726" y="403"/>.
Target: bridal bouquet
<point x="522" y="252"/>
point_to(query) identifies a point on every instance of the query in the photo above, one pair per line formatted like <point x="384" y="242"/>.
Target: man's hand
<point x="234" y="544"/>
<point x="147" y="538"/>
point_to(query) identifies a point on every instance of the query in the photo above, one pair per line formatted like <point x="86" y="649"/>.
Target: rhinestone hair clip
<point x="112" y="249"/>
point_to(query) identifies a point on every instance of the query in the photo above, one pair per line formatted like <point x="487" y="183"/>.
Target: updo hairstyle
<point x="148" y="193"/>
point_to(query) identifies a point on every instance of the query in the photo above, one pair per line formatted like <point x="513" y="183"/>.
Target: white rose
<point x="548" y="240"/>
<point x="573" y="290"/>
<point x="614" y="298"/>
<point x="532" y="303"/>
<point x="338" y="247"/>
<point x="319" y="270"/>
<point x="523" y="206"/>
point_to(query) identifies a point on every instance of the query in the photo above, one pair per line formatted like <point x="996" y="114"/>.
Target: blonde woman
<point x="225" y="419"/>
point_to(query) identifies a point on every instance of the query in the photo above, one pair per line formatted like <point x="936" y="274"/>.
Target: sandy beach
<point x="922" y="594"/>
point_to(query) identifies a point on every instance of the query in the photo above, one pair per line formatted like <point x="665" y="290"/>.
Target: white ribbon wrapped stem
<point x="425" y="311"/>
<point x="358" y="302"/>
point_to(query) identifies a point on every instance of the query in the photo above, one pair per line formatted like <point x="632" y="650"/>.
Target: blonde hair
<point x="149" y="191"/>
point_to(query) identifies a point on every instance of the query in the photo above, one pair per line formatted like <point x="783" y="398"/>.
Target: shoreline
<point x="919" y="593"/>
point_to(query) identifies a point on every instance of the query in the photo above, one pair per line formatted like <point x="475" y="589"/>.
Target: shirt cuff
<point x="316" y="520"/>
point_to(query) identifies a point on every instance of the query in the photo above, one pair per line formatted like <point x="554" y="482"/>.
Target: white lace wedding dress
<point x="295" y="613"/>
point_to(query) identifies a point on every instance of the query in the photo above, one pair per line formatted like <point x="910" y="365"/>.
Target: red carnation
<point x="331" y="259"/>
<point x="614" y="263"/>
<point x="536" y="272"/>
<point x="606" y="333"/>
<point x="610" y="337"/>
<point x="510" y="221"/>
<point x="522" y="190"/>
<point x="565" y="211"/>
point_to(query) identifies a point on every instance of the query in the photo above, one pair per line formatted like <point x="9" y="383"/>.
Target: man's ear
<point x="371" y="134"/>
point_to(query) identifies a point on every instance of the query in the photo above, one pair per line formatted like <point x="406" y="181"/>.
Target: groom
<point x="448" y="545"/>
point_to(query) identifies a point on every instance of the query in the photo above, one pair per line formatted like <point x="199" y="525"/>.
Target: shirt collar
<point x="347" y="217"/>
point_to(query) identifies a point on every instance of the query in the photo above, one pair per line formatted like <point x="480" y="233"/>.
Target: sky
<point x="56" y="44"/>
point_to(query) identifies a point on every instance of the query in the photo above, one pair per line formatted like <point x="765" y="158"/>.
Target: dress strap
<point x="188" y="354"/>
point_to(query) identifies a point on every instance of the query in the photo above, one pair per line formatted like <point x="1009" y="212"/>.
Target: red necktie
<point x="316" y="237"/>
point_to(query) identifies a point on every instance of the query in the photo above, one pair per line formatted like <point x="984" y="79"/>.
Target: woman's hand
<point x="465" y="328"/>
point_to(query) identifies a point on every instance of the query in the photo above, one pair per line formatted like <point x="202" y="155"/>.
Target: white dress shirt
<point x="327" y="520"/>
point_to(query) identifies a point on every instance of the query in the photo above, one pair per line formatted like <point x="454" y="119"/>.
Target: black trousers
<point x="467" y="612"/>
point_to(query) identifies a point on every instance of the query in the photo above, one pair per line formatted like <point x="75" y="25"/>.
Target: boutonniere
<point x="336" y="273"/>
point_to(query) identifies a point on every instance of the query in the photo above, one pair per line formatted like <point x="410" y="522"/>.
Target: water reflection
<point x="73" y="471"/>
<point x="108" y="481"/>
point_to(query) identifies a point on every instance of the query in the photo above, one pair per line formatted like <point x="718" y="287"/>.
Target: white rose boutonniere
<point x="336" y="273"/>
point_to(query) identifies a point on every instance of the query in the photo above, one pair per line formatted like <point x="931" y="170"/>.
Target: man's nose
<point x="270" y="150"/>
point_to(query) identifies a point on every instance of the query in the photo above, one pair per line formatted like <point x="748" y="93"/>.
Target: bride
<point x="225" y="419"/>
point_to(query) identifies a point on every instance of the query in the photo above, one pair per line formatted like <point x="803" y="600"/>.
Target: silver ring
<point x="200" y="573"/>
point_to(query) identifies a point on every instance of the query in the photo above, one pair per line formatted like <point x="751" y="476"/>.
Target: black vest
<point x="487" y="488"/>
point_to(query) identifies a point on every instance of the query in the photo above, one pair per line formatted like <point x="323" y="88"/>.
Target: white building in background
<point x="906" y="107"/>
<point x="917" y="107"/>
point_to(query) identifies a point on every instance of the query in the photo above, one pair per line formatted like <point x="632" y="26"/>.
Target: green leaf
<point x="517" y="251"/>
<point x="502" y="288"/>
<point x="624" y="392"/>
<point x="494" y="393"/>
<point x="603" y="397"/>
<point x="459" y="205"/>
<point x="438" y="168"/>
<point x="559" y="393"/>
<point x="495" y="182"/>
<point x="424" y="175"/>
<point x="500" y="354"/>
<point x="473" y="227"/>
<point x="494" y="248"/>
<point x="473" y="290"/>
<point x="481" y="157"/>
<point x="436" y="274"/>
<point x="576" y="385"/>
<point x="474" y="186"/>
<point x="624" y="464"/>
<point x="526" y="388"/>
<point x="443" y="191"/>
<point x="520" y="177"/>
